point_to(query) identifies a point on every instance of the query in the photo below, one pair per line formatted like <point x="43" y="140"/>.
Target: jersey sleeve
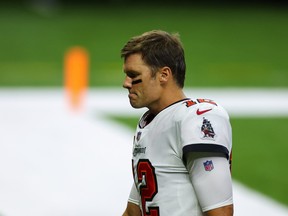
<point x="206" y="128"/>
<point x="211" y="179"/>
<point x="134" y="195"/>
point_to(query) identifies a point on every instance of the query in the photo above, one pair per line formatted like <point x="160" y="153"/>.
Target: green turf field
<point x="224" y="46"/>
<point x="259" y="153"/>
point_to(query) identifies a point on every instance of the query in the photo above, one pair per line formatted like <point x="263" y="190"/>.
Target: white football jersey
<point x="162" y="183"/>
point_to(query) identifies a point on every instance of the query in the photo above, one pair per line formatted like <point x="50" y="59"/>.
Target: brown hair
<point x="159" y="49"/>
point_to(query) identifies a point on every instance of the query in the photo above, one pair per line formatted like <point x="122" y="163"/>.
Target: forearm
<point x="132" y="210"/>
<point x="125" y="214"/>
<point x="222" y="211"/>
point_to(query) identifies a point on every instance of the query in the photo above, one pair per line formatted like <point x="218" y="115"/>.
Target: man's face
<point x="144" y="90"/>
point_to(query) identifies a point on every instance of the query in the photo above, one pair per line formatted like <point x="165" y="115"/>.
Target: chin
<point x="136" y="106"/>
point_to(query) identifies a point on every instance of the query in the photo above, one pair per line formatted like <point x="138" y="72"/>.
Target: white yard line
<point x="57" y="162"/>
<point x="239" y="102"/>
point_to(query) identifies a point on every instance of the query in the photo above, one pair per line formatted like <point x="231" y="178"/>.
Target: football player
<point x="182" y="147"/>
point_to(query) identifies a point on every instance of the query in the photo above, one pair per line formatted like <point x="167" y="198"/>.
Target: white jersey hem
<point x="136" y="202"/>
<point x="218" y="205"/>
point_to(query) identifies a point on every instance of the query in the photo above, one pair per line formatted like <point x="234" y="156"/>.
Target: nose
<point x="127" y="82"/>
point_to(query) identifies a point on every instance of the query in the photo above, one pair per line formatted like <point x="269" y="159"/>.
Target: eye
<point x="132" y="75"/>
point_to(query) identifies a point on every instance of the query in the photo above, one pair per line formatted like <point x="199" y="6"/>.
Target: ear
<point x="165" y="74"/>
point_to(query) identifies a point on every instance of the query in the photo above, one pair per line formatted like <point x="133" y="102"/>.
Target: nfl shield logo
<point x="138" y="136"/>
<point x="208" y="165"/>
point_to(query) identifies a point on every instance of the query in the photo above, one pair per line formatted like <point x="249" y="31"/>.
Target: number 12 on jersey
<point x="146" y="183"/>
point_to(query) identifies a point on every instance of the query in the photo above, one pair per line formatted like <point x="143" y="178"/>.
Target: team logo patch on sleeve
<point x="208" y="165"/>
<point x="207" y="129"/>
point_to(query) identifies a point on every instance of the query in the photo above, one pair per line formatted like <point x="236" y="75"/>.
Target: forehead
<point x="134" y="62"/>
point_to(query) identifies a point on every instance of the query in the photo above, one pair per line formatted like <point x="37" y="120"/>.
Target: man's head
<point x="159" y="49"/>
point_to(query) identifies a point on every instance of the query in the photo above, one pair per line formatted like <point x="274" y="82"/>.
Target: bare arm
<point x="222" y="211"/>
<point x="132" y="210"/>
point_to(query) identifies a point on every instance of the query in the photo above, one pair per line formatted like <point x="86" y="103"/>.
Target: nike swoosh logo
<point x="200" y="112"/>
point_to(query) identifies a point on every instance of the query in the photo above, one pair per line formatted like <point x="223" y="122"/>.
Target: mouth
<point x="132" y="95"/>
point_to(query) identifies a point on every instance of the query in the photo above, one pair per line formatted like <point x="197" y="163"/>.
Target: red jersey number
<point x="148" y="186"/>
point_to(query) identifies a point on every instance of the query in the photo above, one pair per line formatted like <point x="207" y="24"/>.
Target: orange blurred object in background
<point x="76" y="66"/>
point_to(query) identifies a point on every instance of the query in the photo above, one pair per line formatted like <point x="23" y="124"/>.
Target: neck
<point x="167" y="98"/>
